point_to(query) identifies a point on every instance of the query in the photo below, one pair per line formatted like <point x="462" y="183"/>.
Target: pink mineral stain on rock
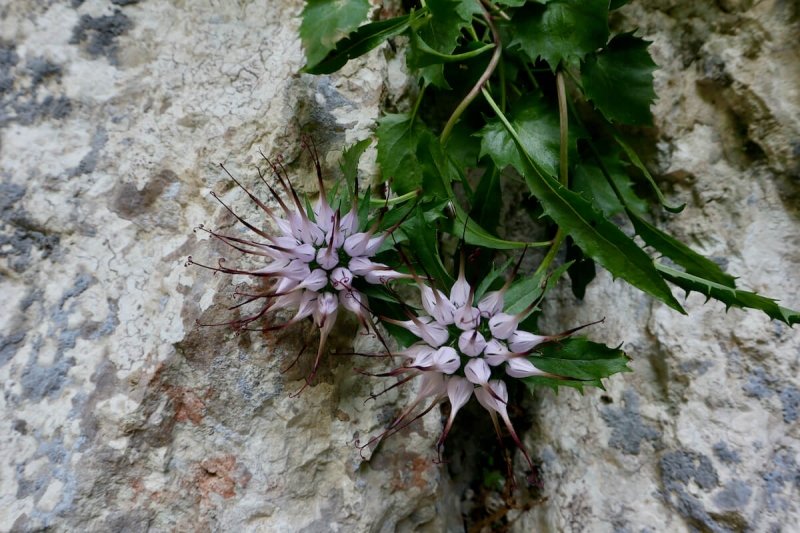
<point x="188" y="406"/>
<point x="220" y="475"/>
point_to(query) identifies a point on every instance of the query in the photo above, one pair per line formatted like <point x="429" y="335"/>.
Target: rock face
<point x="119" y="414"/>
<point x="704" y="435"/>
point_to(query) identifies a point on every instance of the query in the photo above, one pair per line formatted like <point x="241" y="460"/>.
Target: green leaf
<point x="309" y="209"/>
<point x="393" y="216"/>
<point x="581" y="272"/>
<point x="349" y="165"/>
<point x="417" y="160"/>
<point x="448" y="18"/>
<point x="537" y="124"/>
<point x="468" y="8"/>
<point x="363" y="210"/>
<point x="382" y="304"/>
<point x="357" y="44"/>
<point x="423" y="242"/>
<point x="440" y="32"/>
<point x="434" y="75"/>
<point x="488" y="196"/>
<point x="524" y="292"/>
<point x="619" y="80"/>
<point x="598" y="238"/>
<point x="729" y="296"/>
<point x="438" y="170"/>
<point x="490" y="278"/>
<point x="631" y="153"/>
<point x="577" y="358"/>
<point x="325" y="22"/>
<point x="477" y="236"/>
<point x="561" y="29"/>
<point x="668" y="246"/>
<point x="422" y="55"/>
<point x="463" y="145"/>
<point x="588" y="179"/>
<point x="398" y="139"/>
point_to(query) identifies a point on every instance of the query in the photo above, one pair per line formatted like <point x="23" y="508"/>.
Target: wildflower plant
<point x="505" y="88"/>
<point x="467" y="344"/>
<point x="537" y="89"/>
<point x="316" y="258"/>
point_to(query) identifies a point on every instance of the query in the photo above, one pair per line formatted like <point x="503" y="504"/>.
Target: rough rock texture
<point x="118" y="414"/>
<point x="704" y="436"/>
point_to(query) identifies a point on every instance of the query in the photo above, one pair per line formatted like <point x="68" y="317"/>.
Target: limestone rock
<point x="119" y="414"/>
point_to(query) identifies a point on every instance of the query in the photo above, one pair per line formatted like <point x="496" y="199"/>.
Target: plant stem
<point x="498" y="50"/>
<point x="392" y="201"/>
<point x="416" y="105"/>
<point x="563" y="116"/>
<point x="574" y="79"/>
<point x="563" y="169"/>
<point x="529" y="71"/>
<point x="454" y="58"/>
<point x="502" y="72"/>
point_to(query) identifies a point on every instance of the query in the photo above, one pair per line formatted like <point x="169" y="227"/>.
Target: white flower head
<point x="314" y="260"/>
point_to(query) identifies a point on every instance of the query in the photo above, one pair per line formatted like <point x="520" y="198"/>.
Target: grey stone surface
<point x="118" y="414"/>
<point x="719" y="387"/>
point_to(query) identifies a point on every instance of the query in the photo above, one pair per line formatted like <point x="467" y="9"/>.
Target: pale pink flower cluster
<point x="460" y="344"/>
<point x="313" y="261"/>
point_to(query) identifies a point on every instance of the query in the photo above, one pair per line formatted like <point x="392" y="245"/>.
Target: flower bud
<point x="522" y="341"/>
<point x="471" y="343"/>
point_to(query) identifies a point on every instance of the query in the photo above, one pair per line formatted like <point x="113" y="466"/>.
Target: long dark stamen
<point x="505" y="449"/>
<point x="392" y="429"/>
<point x="286" y="183"/>
<point x="230" y="240"/>
<point x="301" y="210"/>
<point x="527" y="458"/>
<point x="375" y="355"/>
<point x="250" y="298"/>
<point x="274" y="194"/>
<point x="513" y="275"/>
<point x="573" y="330"/>
<point x="241" y="321"/>
<point x="312" y="149"/>
<point x="258" y="202"/>
<point x="408" y="213"/>
<point x="399" y="383"/>
<point x="371" y="322"/>
<point x="321" y="349"/>
<point x="391" y="373"/>
<point x="302" y="350"/>
<point x="243" y="221"/>
<point x="225" y="270"/>
<point x="222" y="269"/>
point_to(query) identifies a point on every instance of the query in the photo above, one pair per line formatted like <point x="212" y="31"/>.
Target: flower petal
<point x="502" y="325"/>
<point x="496" y="352"/>
<point x="467" y="317"/>
<point x="477" y="371"/>
<point x="521" y="367"/>
<point x="471" y="343"/>
<point x="491" y="304"/>
<point x="522" y="341"/>
<point x="341" y="278"/>
<point x="446" y="360"/>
